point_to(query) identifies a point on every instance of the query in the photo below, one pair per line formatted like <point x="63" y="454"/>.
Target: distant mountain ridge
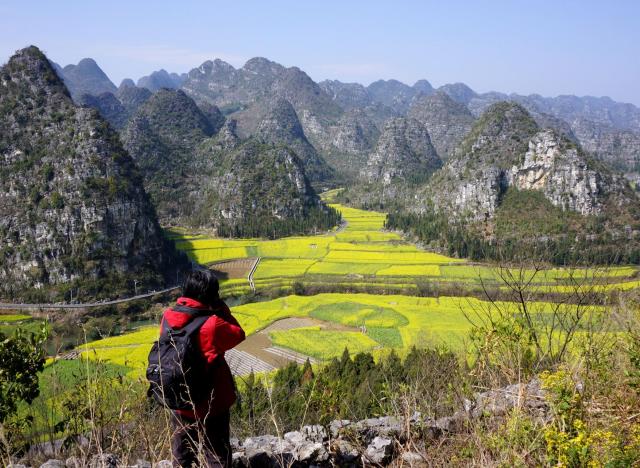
<point x="608" y="129"/>
<point x="85" y="78"/>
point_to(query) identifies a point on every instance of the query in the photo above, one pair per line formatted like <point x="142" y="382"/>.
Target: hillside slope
<point x="512" y="185"/>
<point x="73" y="212"/>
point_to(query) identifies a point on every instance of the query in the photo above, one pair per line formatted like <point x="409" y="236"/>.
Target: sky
<point x="546" y="47"/>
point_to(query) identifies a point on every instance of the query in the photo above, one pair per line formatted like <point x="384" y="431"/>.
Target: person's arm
<point x="220" y="333"/>
<point x="227" y="333"/>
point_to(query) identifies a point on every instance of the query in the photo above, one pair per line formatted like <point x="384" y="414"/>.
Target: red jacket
<point x="218" y="334"/>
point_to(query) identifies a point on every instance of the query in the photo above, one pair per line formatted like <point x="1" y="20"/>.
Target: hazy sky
<point x="549" y="47"/>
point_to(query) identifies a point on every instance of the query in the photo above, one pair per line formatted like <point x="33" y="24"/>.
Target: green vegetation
<point x="22" y="357"/>
<point x="8" y="318"/>
<point x="528" y="227"/>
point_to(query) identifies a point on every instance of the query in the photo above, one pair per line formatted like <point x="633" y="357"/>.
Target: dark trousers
<point x="201" y="442"/>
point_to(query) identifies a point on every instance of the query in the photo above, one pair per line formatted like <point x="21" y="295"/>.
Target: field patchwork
<point x="361" y="251"/>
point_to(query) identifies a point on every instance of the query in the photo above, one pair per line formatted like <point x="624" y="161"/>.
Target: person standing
<point x="202" y="432"/>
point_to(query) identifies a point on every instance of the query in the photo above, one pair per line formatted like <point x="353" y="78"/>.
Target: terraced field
<point x="362" y="254"/>
<point x="321" y="326"/>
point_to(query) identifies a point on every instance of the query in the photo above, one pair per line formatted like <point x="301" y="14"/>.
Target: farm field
<point x="360" y="322"/>
<point x="362" y="252"/>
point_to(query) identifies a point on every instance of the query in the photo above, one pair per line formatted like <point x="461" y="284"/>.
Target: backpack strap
<point x="188" y="310"/>
<point x="191" y="327"/>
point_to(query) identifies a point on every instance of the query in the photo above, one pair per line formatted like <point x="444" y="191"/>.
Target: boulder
<point x="379" y="451"/>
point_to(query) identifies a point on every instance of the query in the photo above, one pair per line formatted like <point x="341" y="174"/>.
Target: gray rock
<point x="16" y="465"/>
<point x="311" y="452"/>
<point x="386" y="426"/>
<point x="337" y="425"/>
<point x="344" y="451"/>
<point x="106" y="460"/>
<point x="315" y="433"/>
<point x="496" y="402"/>
<point x="380" y="450"/>
<point x="239" y="460"/>
<point x="295" y="438"/>
<point x="235" y="443"/>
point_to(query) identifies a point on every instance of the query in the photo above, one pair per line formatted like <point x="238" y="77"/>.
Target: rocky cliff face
<point x="86" y="78"/>
<point x="162" y="137"/>
<point x="506" y="149"/>
<point x="403" y="152"/>
<point x="72" y="206"/>
<point x="618" y="148"/>
<point x="558" y="169"/>
<point x="447" y="121"/>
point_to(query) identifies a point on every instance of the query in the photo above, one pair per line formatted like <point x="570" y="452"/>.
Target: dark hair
<point x="201" y="285"/>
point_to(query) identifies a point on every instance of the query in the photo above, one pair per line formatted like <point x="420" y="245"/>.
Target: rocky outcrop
<point x="404" y="152"/>
<point x="383" y="440"/>
<point x="377" y="441"/>
<point x="505" y="149"/>
<point x="446" y="120"/>
<point x="72" y="206"/>
<point x="556" y="168"/>
<point x="86" y="78"/>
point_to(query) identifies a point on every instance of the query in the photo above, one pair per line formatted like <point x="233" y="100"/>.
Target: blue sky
<point x="548" y="47"/>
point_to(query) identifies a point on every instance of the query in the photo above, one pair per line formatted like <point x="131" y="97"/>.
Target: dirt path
<point x="251" y="273"/>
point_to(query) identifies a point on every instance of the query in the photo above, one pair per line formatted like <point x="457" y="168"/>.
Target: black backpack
<point x="176" y="366"/>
